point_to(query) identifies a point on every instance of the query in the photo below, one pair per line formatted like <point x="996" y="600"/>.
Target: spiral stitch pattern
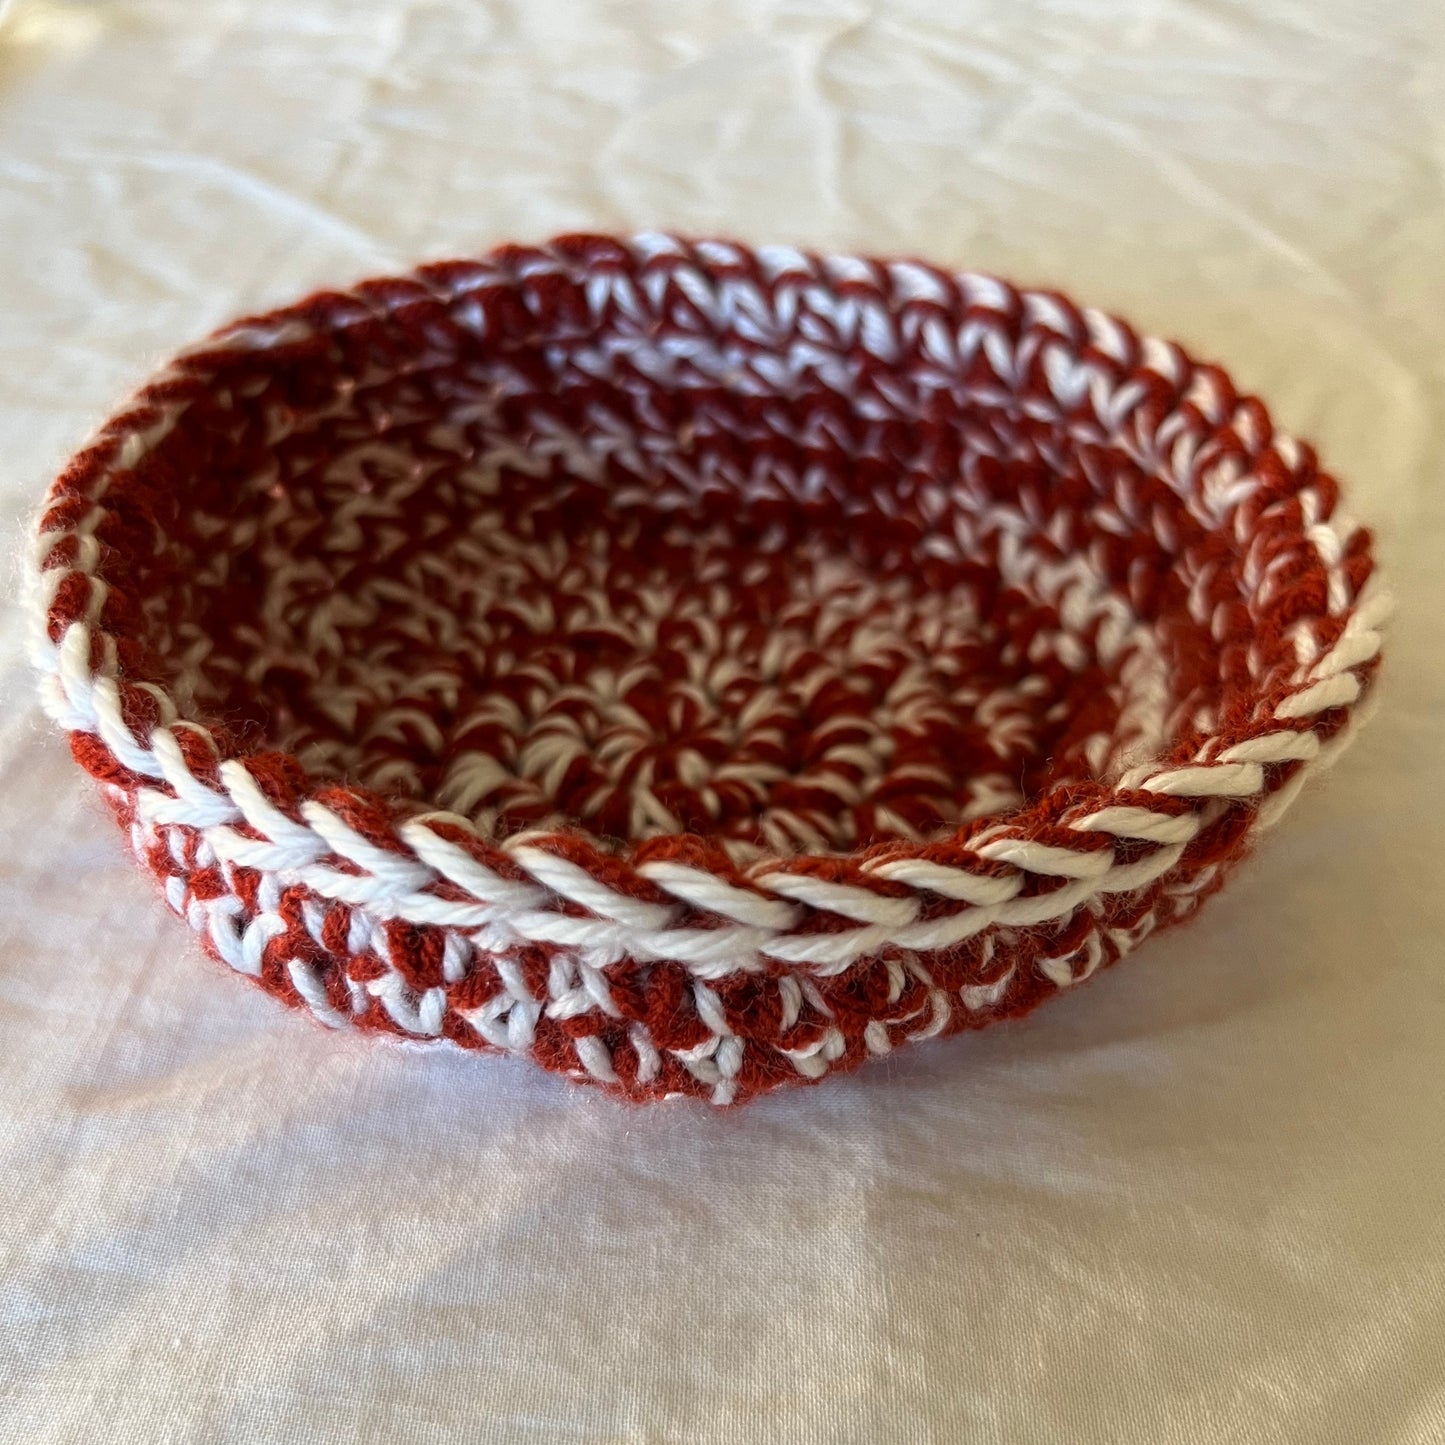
<point x="697" y="667"/>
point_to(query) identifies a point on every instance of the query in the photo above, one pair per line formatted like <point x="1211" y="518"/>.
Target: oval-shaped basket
<point x="697" y="667"/>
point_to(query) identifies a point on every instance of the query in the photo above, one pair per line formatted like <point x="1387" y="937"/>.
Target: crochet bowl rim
<point x="777" y="891"/>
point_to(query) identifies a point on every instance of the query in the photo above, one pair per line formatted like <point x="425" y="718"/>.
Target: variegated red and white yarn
<point x="699" y="668"/>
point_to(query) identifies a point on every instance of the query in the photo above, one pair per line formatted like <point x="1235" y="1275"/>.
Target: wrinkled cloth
<point x="1198" y="1199"/>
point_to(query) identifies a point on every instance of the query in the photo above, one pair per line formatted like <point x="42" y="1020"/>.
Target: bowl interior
<point x="515" y="583"/>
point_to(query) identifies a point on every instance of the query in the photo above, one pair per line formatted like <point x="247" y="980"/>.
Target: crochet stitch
<point x="699" y="668"/>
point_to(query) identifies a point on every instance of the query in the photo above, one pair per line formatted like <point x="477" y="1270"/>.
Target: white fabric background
<point x="1200" y="1200"/>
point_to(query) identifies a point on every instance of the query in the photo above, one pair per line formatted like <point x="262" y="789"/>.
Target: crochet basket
<point x="697" y="667"/>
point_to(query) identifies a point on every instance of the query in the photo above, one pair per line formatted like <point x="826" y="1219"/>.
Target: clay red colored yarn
<point x="697" y="667"/>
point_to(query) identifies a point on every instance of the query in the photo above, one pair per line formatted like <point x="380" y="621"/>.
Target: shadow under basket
<point x="700" y="668"/>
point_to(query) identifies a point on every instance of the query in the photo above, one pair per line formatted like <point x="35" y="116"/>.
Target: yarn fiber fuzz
<point x="699" y="668"/>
